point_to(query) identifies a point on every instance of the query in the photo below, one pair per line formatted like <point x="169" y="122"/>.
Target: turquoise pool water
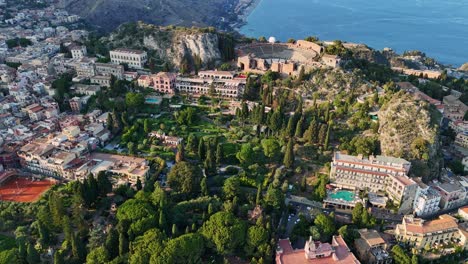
<point x="152" y="100"/>
<point x="345" y="195"/>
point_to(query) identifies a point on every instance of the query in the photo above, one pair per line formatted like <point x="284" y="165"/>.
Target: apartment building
<point x="104" y="81"/>
<point x="35" y="112"/>
<point x="402" y="190"/>
<point x="419" y="233"/>
<point x="78" y="51"/>
<point x="462" y="139"/>
<point x="426" y="202"/>
<point x="135" y="59"/>
<point x="454" y="108"/>
<point x="452" y="193"/>
<point x="371" y="248"/>
<point x="107" y="69"/>
<point x="164" y="82"/>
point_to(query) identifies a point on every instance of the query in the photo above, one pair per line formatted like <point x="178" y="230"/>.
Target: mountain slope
<point x="108" y="14"/>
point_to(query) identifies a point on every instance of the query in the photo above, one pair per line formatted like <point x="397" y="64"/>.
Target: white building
<point x="135" y="59"/>
<point x="426" y="202"/>
<point x="78" y="52"/>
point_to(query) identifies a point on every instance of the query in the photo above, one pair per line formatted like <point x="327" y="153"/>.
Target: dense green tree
<point x="180" y="156"/>
<point x="400" y="256"/>
<point x="271" y="147"/>
<point x="98" y="255"/>
<point x="56" y="208"/>
<point x="274" y="197"/>
<point x="357" y="214"/>
<point x="134" y="210"/>
<point x="326" y="225"/>
<point x="103" y="184"/>
<point x="185" y="177"/>
<point x="289" y="155"/>
<point x="299" y="128"/>
<point x="314" y="232"/>
<point x="58" y="258"/>
<point x="219" y="154"/>
<point x="150" y="243"/>
<point x="219" y="230"/>
<point x="204" y="187"/>
<point x="112" y="243"/>
<point x="201" y="149"/>
<point x="134" y="101"/>
<point x="188" y="248"/>
<point x="33" y="256"/>
<point x="246" y="154"/>
<point x="257" y="240"/>
<point x="231" y="188"/>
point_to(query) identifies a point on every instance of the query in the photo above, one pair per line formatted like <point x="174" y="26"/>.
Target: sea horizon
<point x="441" y="32"/>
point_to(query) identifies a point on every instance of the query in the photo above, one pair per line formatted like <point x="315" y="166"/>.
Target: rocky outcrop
<point x="169" y="43"/>
<point x="408" y="130"/>
<point x="464" y="67"/>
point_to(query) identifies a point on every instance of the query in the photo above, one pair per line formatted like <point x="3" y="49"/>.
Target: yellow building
<point x="419" y="233"/>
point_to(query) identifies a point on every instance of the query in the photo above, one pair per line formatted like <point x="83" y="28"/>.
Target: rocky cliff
<point x="408" y="129"/>
<point x="109" y="14"/>
<point x="171" y="44"/>
<point x="464" y="67"/>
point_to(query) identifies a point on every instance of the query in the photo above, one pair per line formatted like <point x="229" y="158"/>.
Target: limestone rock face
<point x="464" y="67"/>
<point x="168" y="43"/>
<point x="408" y="130"/>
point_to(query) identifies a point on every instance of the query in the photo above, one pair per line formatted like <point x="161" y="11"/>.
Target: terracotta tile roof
<point x="444" y="222"/>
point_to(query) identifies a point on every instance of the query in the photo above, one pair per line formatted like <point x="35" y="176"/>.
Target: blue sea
<point x="438" y="28"/>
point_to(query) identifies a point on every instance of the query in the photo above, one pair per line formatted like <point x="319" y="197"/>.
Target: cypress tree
<point x="299" y="128"/>
<point x="110" y="122"/>
<point x="289" y="155"/>
<point x="174" y="230"/>
<point x="322" y="134"/>
<point x="204" y="187"/>
<point x="201" y="149"/>
<point x="123" y="244"/>
<point x="33" y="256"/>
<point x="327" y="138"/>
<point x="219" y="153"/>
<point x="180" y="156"/>
<point x="112" y="243"/>
<point x="58" y="258"/>
<point x="259" y="194"/>
<point x="139" y="185"/>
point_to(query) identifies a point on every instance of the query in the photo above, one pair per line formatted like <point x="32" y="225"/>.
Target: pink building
<point x="164" y="82"/>
<point x="315" y="252"/>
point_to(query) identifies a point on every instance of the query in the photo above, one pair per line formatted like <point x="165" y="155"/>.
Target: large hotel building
<point x="378" y="174"/>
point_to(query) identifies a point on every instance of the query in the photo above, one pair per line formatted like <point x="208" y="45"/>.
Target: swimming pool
<point x="153" y="100"/>
<point x="343" y="195"/>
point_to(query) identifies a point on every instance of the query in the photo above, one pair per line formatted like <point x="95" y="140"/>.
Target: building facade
<point x="419" y="233"/>
<point x="426" y="202"/>
<point x="164" y="82"/>
<point x="135" y="59"/>
<point x="78" y="51"/>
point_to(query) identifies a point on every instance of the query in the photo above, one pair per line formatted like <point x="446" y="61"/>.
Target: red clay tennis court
<point x="20" y="189"/>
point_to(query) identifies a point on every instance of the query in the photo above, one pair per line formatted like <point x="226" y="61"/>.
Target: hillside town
<point x="278" y="143"/>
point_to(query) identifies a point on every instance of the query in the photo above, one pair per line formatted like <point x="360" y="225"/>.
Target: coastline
<point x="243" y="11"/>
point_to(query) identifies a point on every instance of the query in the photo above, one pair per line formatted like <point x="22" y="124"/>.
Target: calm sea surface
<point x="438" y="28"/>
